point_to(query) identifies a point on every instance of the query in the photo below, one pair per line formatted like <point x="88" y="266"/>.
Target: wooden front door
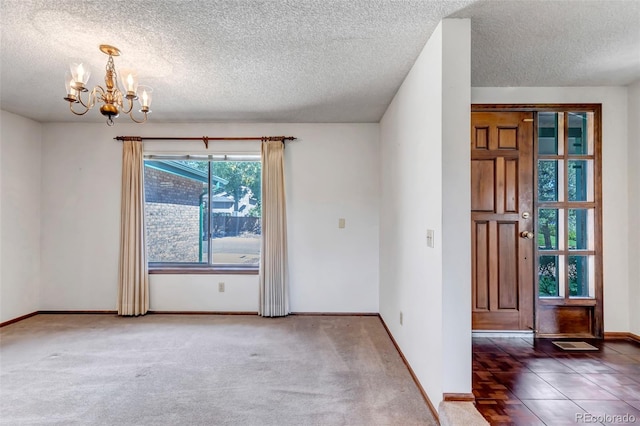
<point x="502" y="220"/>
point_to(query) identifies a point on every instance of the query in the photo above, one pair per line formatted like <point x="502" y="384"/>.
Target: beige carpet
<point x="460" y="414"/>
<point x="204" y="370"/>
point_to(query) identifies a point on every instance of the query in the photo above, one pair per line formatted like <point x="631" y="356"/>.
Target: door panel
<point x="508" y="137"/>
<point x="501" y="191"/>
<point x="576" y="321"/>
<point x="482" y="265"/>
<point x="482" y="191"/>
<point x="507" y="266"/>
<point x="511" y="186"/>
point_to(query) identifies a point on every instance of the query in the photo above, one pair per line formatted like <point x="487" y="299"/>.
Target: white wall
<point x="456" y="206"/>
<point x="331" y="173"/>
<point x="634" y="206"/>
<point x="413" y="141"/>
<point x="615" y="180"/>
<point x="20" y="183"/>
<point x="192" y="293"/>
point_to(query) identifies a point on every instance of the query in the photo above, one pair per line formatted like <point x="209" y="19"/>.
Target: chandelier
<point x="114" y="100"/>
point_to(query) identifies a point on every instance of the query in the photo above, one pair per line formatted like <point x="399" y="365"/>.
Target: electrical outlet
<point x="221" y="287"/>
<point x="400" y="317"/>
<point x="341" y="223"/>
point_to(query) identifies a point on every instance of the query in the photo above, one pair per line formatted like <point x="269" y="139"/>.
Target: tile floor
<point x="526" y="381"/>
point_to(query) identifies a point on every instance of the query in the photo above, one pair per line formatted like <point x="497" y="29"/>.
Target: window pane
<point x="581" y="229"/>
<point x="236" y="211"/>
<point x="174" y="210"/>
<point x="549" y="175"/>
<point x="547" y="133"/>
<point x="580" y="276"/>
<point x="580" y="133"/>
<point x="580" y="180"/>
<point x="548" y="229"/>
<point x="548" y="284"/>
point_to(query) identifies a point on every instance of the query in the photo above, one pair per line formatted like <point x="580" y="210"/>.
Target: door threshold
<point x="502" y="333"/>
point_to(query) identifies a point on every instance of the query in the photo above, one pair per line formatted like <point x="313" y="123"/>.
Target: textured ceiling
<point x="300" y="60"/>
<point x="554" y="43"/>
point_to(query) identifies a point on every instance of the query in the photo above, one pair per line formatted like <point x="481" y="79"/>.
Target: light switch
<point x="341" y="223"/>
<point x="431" y="238"/>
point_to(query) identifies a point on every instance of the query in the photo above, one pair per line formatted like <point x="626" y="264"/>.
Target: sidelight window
<point x="567" y="217"/>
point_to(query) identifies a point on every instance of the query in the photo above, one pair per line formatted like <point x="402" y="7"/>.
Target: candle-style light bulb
<point x="68" y="84"/>
<point x="145" y="98"/>
<point x="80" y="74"/>
<point x="129" y="79"/>
<point x="70" y="90"/>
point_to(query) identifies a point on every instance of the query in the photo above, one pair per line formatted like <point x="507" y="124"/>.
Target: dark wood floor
<point x="526" y="381"/>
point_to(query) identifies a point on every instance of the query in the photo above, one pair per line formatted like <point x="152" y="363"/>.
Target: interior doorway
<point x="536" y="219"/>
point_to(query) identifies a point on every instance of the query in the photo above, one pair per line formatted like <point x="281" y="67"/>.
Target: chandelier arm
<point x="98" y="90"/>
<point x="92" y="97"/>
<point x="78" y="113"/>
<point x="82" y="102"/>
<point x="136" y="121"/>
<point x="130" y="110"/>
<point x="116" y="98"/>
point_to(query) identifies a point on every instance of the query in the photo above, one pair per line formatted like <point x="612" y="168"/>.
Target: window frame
<point x="209" y="268"/>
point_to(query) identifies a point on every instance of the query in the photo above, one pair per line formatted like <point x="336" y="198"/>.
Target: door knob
<point x="527" y="234"/>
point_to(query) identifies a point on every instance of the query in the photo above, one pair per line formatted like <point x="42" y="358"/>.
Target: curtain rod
<point x="206" y="139"/>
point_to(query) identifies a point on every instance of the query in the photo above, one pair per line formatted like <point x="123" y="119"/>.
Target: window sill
<point x="201" y="270"/>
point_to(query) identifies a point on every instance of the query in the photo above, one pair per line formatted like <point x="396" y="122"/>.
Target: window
<point x="203" y="213"/>
<point x="568" y="209"/>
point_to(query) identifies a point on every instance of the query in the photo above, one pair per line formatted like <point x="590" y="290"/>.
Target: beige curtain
<point x="274" y="293"/>
<point x="133" y="278"/>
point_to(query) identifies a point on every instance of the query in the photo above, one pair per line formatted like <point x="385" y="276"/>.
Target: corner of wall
<point x="456" y="206"/>
<point x="421" y="135"/>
